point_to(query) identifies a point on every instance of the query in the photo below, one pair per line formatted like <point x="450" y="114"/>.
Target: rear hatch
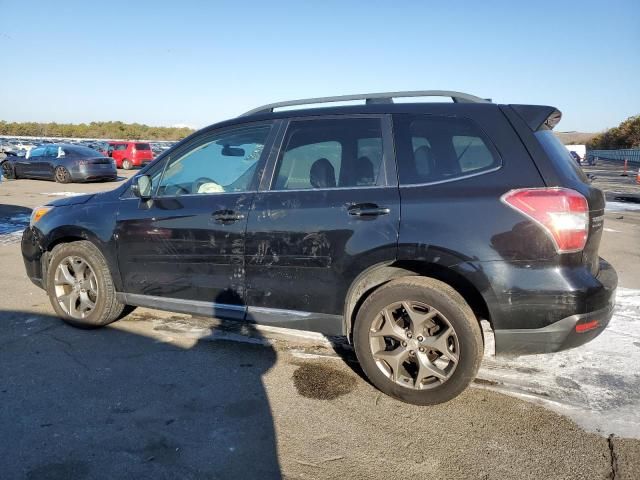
<point x="559" y="169"/>
<point x="142" y="151"/>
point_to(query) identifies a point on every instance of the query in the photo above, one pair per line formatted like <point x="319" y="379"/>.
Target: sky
<point x="198" y="62"/>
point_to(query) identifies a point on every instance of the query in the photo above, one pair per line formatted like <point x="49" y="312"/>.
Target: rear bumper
<point x="92" y="173"/>
<point x="571" y="331"/>
<point x="567" y="333"/>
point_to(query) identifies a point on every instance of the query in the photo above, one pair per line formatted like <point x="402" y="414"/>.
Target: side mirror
<point x="141" y="187"/>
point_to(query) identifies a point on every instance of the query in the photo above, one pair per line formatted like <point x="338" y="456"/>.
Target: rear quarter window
<point x="142" y="146"/>
<point x="438" y="148"/>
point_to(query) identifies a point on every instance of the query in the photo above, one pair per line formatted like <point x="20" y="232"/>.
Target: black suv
<point x="400" y="226"/>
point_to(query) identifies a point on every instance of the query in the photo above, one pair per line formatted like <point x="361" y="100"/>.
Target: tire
<point x="442" y="307"/>
<point x="126" y="164"/>
<point x="7" y="171"/>
<point x="62" y="175"/>
<point x="106" y="309"/>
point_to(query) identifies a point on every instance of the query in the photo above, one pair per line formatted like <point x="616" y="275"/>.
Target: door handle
<point x="227" y="216"/>
<point x="368" y="210"/>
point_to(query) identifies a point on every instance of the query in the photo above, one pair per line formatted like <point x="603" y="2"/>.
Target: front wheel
<point x="126" y="164"/>
<point x="80" y="287"/>
<point x="418" y="340"/>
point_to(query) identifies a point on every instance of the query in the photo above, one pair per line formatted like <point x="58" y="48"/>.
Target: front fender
<point x="93" y="222"/>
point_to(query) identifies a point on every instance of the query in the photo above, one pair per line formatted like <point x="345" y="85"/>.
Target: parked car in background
<point x="130" y="154"/>
<point x="61" y="162"/>
<point x="293" y="219"/>
<point x="575" y="156"/>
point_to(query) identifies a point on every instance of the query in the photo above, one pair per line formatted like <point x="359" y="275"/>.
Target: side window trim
<point x="201" y="139"/>
<point x="387" y="178"/>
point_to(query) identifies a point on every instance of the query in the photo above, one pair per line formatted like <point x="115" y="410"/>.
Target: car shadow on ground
<point x="110" y="403"/>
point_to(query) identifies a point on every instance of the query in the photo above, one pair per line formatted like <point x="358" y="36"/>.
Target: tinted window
<point x="85" y="151"/>
<point x="442" y="148"/>
<point x="142" y="146"/>
<point x="120" y="146"/>
<point x="225" y="162"/>
<point x="330" y="153"/>
<point x="51" y="151"/>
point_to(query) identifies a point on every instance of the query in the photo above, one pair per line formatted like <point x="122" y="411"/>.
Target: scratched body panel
<point x="303" y="249"/>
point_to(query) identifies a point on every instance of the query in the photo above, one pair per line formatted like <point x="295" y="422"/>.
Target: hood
<point x="72" y="200"/>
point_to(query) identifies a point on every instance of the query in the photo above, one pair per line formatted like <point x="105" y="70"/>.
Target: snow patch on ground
<point x="61" y="194"/>
<point x="11" y="228"/>
<point x="621" y="207"/>
<point x="597" y="384"/>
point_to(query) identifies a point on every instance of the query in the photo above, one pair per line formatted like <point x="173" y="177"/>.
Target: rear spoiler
<point x="538" y="117"/>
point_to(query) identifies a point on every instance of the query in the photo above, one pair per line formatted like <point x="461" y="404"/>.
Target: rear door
<point x="48" y="161"/>
<point x="31" y="166"/>
<point x="327" y="209"/>
<point x="118" y="153"/>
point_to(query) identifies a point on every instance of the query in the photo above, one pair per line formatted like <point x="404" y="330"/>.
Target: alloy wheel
<point x="414" y="345"/>
<point x="76" y="287"/>
<point x="62" y="175"/>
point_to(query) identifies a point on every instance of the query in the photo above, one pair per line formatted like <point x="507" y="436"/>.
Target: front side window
<point x="437" y="149"/>
<point x="330" y="153"/>
<point x="220" y="163"/>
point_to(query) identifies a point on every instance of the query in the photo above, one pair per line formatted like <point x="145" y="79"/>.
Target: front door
<point x="187" y="242"/>
<point x="30" y="164"/>
<point x="330" y="209"/>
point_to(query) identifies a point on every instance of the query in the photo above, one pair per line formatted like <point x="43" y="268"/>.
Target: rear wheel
<point x="417" y="340"/>
<point x="62" y="175"/>
<point x="126" y="164"/>
<point x="80" y="287"/>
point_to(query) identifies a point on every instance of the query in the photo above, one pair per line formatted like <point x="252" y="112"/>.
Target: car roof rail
<point x="371" y="98"/>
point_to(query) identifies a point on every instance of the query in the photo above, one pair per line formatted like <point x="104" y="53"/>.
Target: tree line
<point x="625" y="135"/>
<point x="130" y="131"/>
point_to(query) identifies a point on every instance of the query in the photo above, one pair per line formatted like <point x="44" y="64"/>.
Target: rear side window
<point x="435" y="149"/>
<point x="330" y="153"/>
<point x="142" y="146"/>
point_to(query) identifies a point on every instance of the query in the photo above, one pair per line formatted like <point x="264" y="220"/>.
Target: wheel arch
<point x="376" y="276"/>
<point x="68" y="234"/>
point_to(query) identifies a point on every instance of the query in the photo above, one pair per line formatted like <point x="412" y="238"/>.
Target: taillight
<point x="561" y="212"/>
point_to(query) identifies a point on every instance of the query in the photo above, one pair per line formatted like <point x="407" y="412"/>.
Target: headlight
<point x="37" y="214"/>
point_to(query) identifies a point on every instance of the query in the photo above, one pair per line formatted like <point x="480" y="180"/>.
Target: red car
<point x="130" y="154"/>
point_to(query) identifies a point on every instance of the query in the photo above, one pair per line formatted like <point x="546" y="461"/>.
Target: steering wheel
<point x="195" y="186"/>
